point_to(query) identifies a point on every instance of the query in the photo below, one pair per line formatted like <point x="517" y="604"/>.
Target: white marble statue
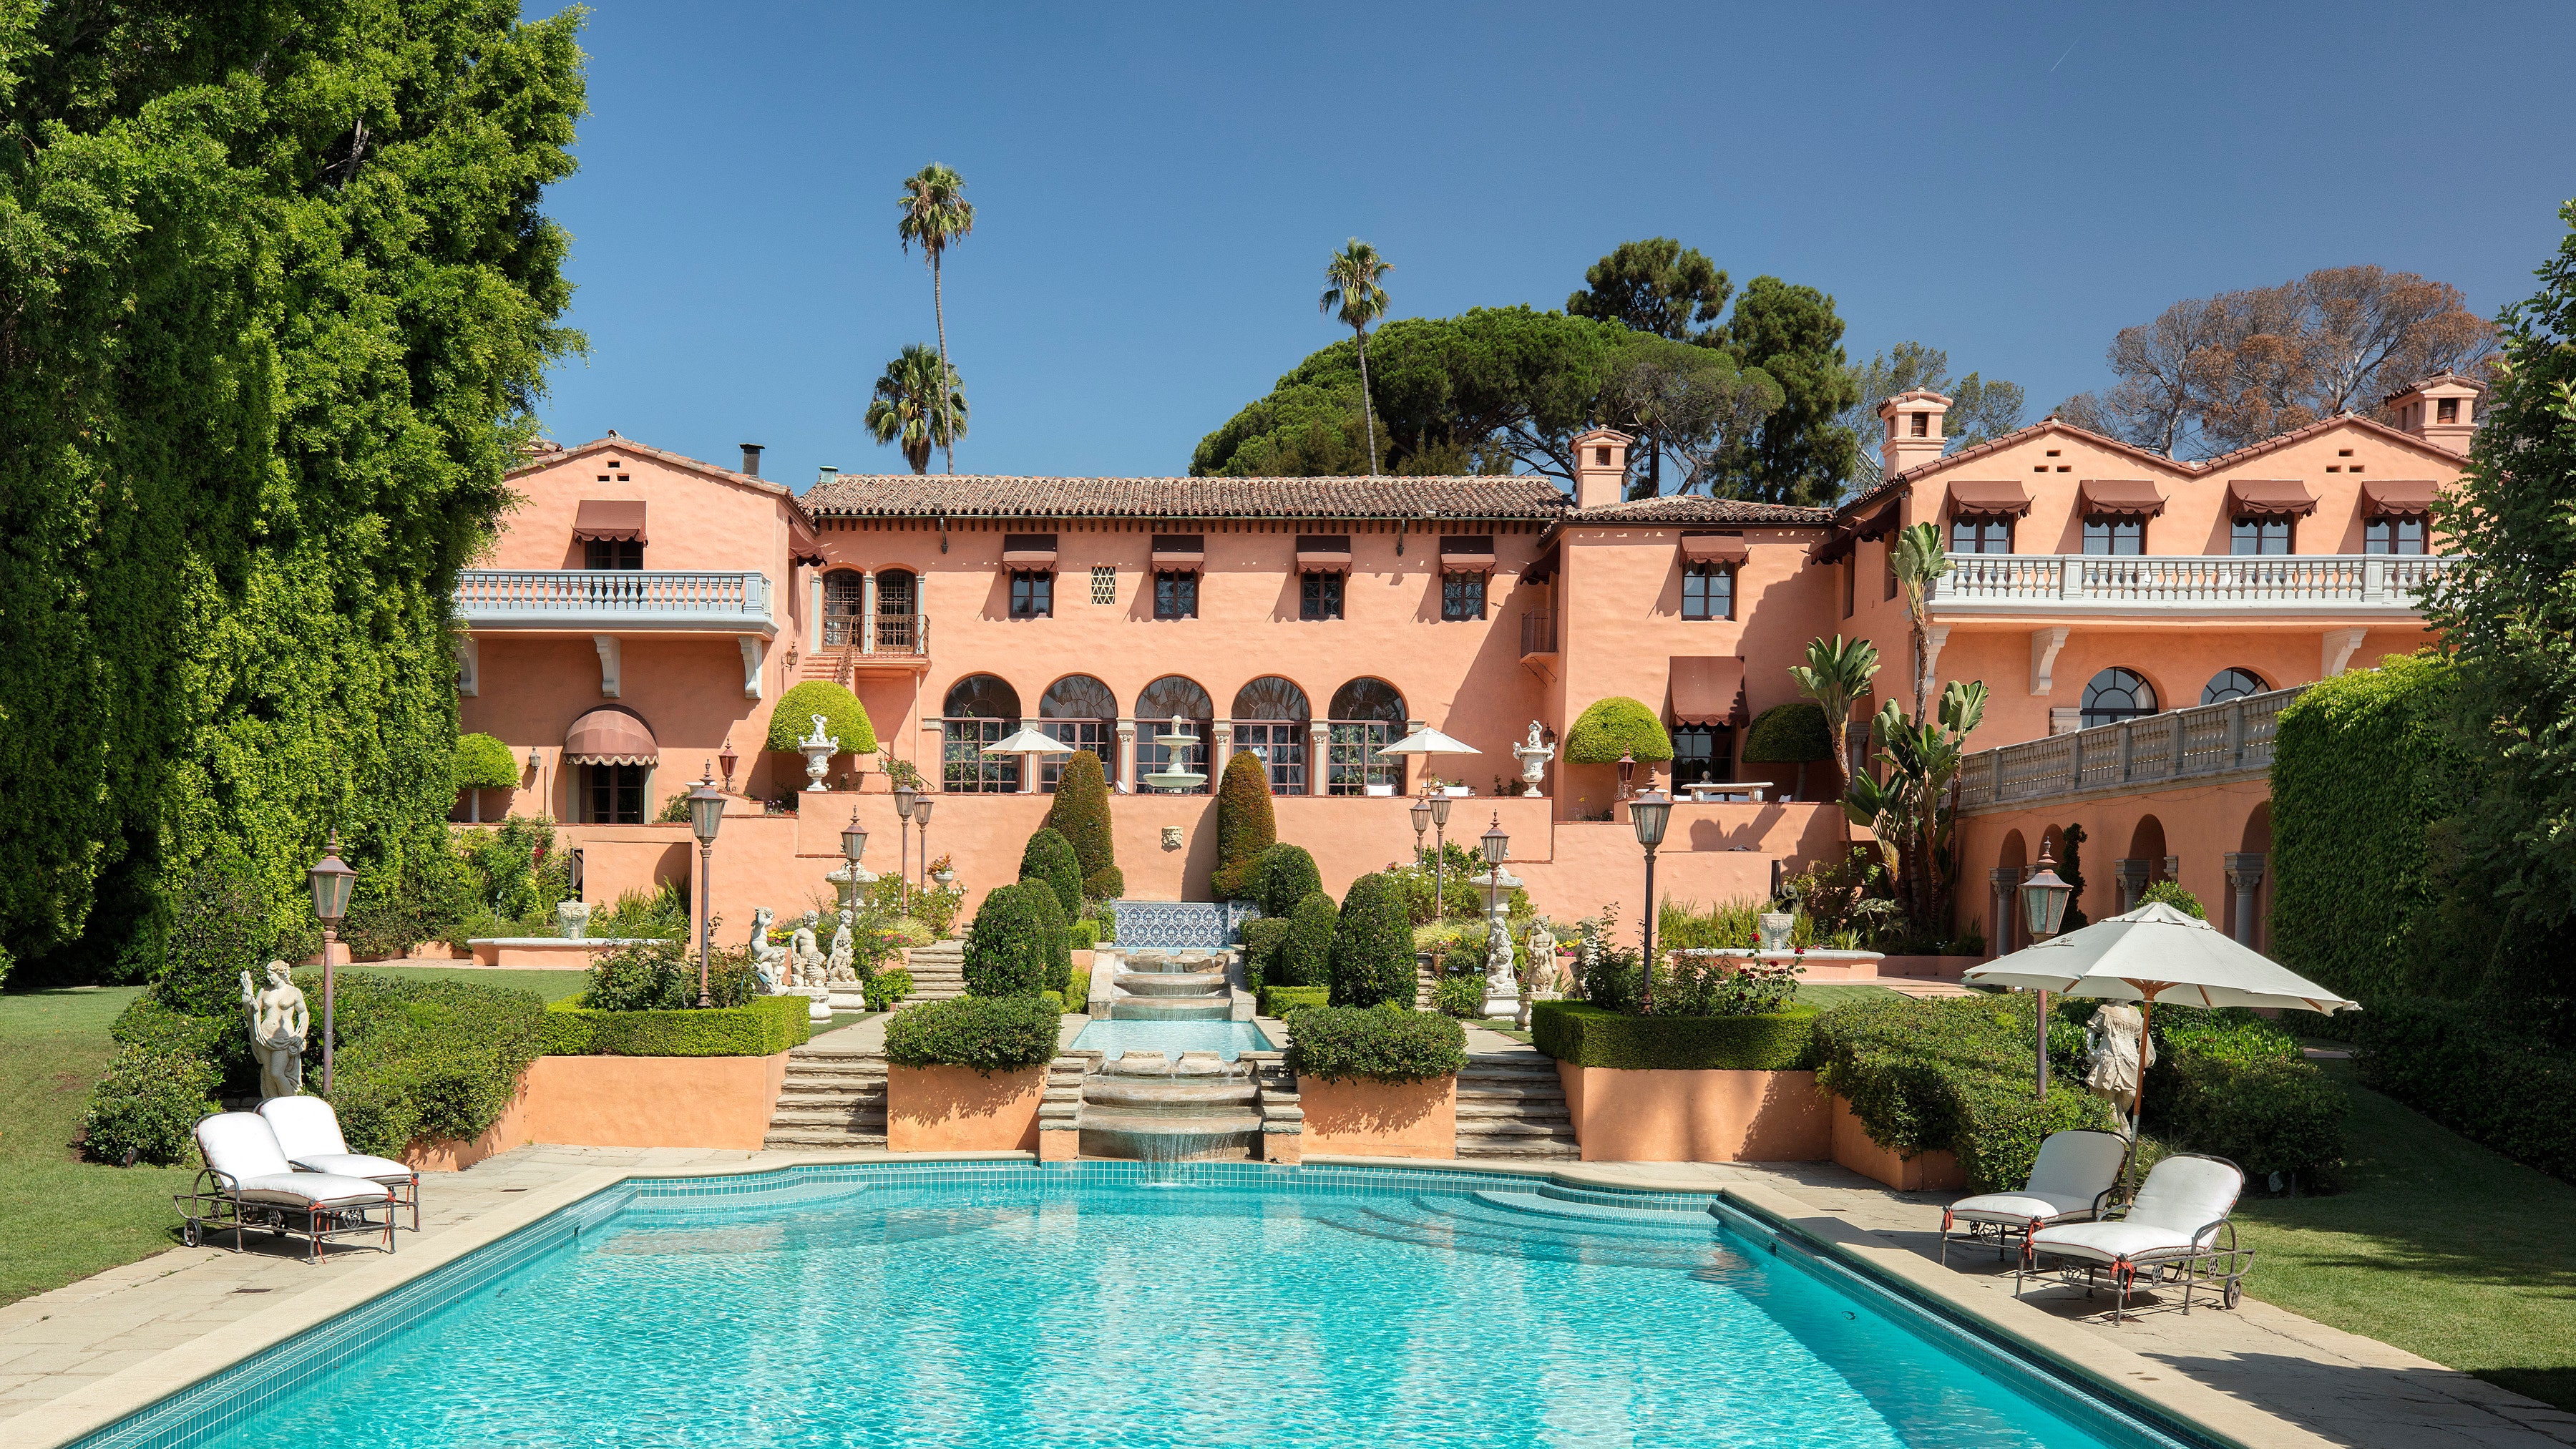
<point x="1533" y="753"/>
<point x="1540" y="974"/>
<point x="840" y="967"/>
<point x="770" y="961"/>
<point x="807" y="951"/>
<point x="2116" y="1052"/>
<point x="279" y="1023"/>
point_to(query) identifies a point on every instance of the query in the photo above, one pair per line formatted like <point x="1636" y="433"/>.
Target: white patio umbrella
<point x="2156" y="953"/>
<point x="1031" y="741"/>
<point x="1427" y="742"/>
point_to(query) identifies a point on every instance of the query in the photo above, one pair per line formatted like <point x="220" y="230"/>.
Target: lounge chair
<point x="2178" y="1230"/>
<point x="247" y="1182"/>
<point x="309" y="1132"/>
<point x="2071" y="1182"/>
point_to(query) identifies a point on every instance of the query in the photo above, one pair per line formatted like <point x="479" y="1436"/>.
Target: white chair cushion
<point x="356" y="1164"/>
<point x="241" y="1146"/>
<point x="313" y="1190"/>
<point x="2185" y="1194"/>
<point x="2017" y="1207"/>
<point x="2108" y="1242"/>
<point x="305" y="1126"/>
<point x="2070" y="1164"/>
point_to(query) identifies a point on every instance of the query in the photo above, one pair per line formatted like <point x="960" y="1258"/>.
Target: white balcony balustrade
<point x="615" y="600"/>
<point x="2154" y="585"/>
<point x="2206" y="744"/>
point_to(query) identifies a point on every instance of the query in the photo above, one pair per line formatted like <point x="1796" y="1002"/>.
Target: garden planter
<point x="957" y="1109"/>
<point x="713" y="1102"/>
<point x="1380" y="1119"/>
<point x="1696" y="1116"/>
<point x="1936" y="1171"/>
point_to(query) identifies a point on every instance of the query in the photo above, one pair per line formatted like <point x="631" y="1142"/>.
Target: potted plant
<point x="944" y="871"/>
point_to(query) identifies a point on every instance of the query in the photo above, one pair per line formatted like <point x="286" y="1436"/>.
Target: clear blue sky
<point x="1157" y="188"/>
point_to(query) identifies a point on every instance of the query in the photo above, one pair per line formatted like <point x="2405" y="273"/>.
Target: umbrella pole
<point x="2043" y="1045"/>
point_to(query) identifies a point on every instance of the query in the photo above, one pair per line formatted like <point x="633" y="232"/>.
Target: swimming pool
<point x="1014" y="1303"/>
<point x="1228" y="1039"/>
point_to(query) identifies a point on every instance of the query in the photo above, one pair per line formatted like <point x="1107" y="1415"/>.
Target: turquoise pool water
<point x="1101" y="1303"/>
<point x="1229" y="1039"/>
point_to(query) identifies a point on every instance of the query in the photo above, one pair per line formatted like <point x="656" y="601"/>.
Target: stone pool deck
<point x="81" y="1356"/>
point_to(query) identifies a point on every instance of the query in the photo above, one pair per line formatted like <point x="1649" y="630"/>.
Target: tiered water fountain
<point x="1176" y="775"/>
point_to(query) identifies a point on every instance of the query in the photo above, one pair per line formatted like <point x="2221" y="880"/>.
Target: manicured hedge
<point x="1592" y="1036"/>
<point x="1305" y="956"/>
<point x="482" y="762"/>
<point x="435" y="1059"/>
<point x="1008" y="952"/>
<point x="1077" y="991"/>
<point x="844" y="718"/>
<point x="1955" y="1074"/>
<point x="1375" y="1044"/>
<point x="1262" y="938"/>
<point x="1788" y="734"/>
<point x="1283" y="876"/>
<point x="765" y="1026"/>
<point x="990" y="1034"/>
<point x="1055" y="930"/>
<point x="1372" y="952"/>
<point x="1613" y="727"/>
<point x="1048" y="857"/>
<point x="1081" y="815"/>
<point x="1278" y="1001"/>
<point x="2477" y="1071"/>
<point x="1246" y="825"/>
<point x="2231" y="1083"/>
<point x="149" y="1104"/>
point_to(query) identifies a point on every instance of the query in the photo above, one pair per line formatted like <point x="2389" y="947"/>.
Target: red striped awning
<point x="2389" y="498"/>
<point x="614" y="520"/>
<point x="2273" y="498"/>
<point x="2123" y="498"/>
<point x="2007" y="499"/>
<point x="609" y="737"/>
<point x="1708" y="689"/>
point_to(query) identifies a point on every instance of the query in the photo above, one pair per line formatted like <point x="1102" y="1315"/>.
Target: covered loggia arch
<point x="2012" y="866"/>
<point x="2249" y="881"/>
<point x="2144" y="861"/>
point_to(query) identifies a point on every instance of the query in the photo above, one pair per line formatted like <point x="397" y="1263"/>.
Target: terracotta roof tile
<point x="1692" y="509"/>
<point x="905" y="495"/>
<point x="614" y="443"/>
<point x="2325" y="425"/>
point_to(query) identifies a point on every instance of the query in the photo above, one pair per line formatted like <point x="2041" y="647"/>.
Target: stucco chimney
<point x="1600" y="467"/>
<point x="826" y="473"/>
<point x="751" y="459"/>
<point x="1913" y="430"/>
<point x="2442" y="410"/>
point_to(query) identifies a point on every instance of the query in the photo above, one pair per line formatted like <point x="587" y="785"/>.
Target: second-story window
<point x="1032" y="595"/>
<point x="1462" y="596"/>
<point x="2247" y="537"/>
<point x="1176" y="595"/>
<point x="614" y="553"/>
<point x="2115" y="536"/>
<point x="1708" y="591"/>
<point x="2393" y="535"/>
<point x="1319" y="596"/>
<point x="1980" y="533"/>
<point x="1703" y="754"/>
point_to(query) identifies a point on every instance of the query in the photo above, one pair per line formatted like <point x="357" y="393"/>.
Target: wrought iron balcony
<point x="2165" y="585"/>
<point x="615" y="600"/>
<point x="2206" y="744"/>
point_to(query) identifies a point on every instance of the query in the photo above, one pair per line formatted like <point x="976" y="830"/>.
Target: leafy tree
<point x="936" y="213"/>
<point x="1790" y="734"/>
<point x="483" y="763"/>
<point x="1802" y="454"/>
<point x="1007" y="950"/>
<point x="908" y="409"/>
<point x="844" y="718"/>
<point x="1836" y="676"/>
<point x="1372" y="960"/>
<point x="1048" y="859"/>
<point x="1245" y="824"/>
<point x="1656" y="286"/>
<point x="1081" y="815"/>
<point x="1912" y="814"/>
<point x="1618" y="725"/>
<point x="278" y="300"/>
<point x="1920" y="559"/>
<point x="1352" y="293"/>
<point x="1284" y="876"/>
<point x="1694" y="403"/>
<point x="2171" y="893"/>
<point x="1980" y="411"/>
<point x="1306" y="956"/>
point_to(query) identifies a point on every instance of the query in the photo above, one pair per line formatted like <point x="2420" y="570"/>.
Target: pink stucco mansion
<point x="2132" y="615"/>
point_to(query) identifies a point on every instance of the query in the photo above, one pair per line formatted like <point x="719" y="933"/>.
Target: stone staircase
<point x="1512" y="1104"/>
<point x="831" y="1099"/>
<point x="938" y="971"/>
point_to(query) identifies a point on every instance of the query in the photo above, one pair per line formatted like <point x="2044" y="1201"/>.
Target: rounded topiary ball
<point x="1788" y="734"/>
<point x="484" y="763"/>
<point x="1285" y="876"/>
<point x="1613" y="727"/>
<point x="1372" y="946"/>
<point x="1007" y="953"/>
<point x="1048" y="860"/>
<point x="844" y="718"/>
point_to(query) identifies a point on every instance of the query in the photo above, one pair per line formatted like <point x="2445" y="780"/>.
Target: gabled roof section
<point x="1691" y="509"/>
<point x="614" y="443"/>
<point x="2382" y="431"/>
<point x="905" y="495"/>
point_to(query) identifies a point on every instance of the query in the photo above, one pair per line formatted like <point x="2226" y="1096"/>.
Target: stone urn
<point x="1533" y="755"/>
<point x="572" y="920"/>
<point x="818" y="749"/>
<point x="1775" y="927"/>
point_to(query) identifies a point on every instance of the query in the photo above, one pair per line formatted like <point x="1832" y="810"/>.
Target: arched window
<point x="845" y="593"/>
<point x="1080" y="711"/>
<point x="1270" y="717"/>
<point x="2229" y="684"/>
<point x="1157" y="704"/>
<point x="980" y="710"/>
<point x="2115" y="695"/>
<point x="1368" y="715"/>
<point x="899" y="618"/>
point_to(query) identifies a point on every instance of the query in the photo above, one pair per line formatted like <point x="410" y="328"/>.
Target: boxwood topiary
<point x="1788" y="734"/>
<point x="1245" y="825"/>
<point x="1081" y="815"/>
<point x="844" y="718"/>
<point x="1262" y="939"/>
<point x="1331" y="1043"/>
<point x="1285" y="875"/>
<point x="1372" y="952"/>
<point x="1007" y="953"/>
<point x="990" y="1034"/>
<point x="761" y="1027"/>
<point x="1305" y="955"/>
<point x="1278" y="1001"/>
<point x="1613" y="727"/>
<point x="2172" y="894"/>
<point x="484" y="763"/>
<point x="1594" y="1036"/>
<point x="1057" y="935"/>
<point x="1048" y="857"/>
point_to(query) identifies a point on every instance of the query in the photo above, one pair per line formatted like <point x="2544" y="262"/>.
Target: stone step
<point x="871" y="1119"/>
<point x="812" y="1138"/>
<point x="1512" y="1112"/>
<point x="1566" y="1150"/>
<point x="1512" y="1127"/>
<point x="1533" y="1089"/>
<point x="834" y="1068"/>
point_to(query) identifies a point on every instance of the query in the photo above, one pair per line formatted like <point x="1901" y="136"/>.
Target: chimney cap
<point x="751" y="459"/>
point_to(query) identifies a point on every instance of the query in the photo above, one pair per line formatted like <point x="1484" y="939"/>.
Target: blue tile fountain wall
<point x="1182" y="925"/>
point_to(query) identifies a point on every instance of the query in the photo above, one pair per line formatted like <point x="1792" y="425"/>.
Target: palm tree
<point x="910" y="410"/>
<point x="1919" y="560"/>
<point x="1835" y="675"/>
<point x="1351" y="290"/>
<point x="936" y="213"/>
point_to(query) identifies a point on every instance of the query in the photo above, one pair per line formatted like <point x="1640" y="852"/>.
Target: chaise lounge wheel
<point x="188" y="1232"/>
<point x="2233" y="1292"/>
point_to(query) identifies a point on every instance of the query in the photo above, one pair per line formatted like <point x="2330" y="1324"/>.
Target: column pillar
<point x="2173" y="869"/>
<point x="2006" y="883"/>
<point x="1220" y="749"/>
<point x="1319" y="736"/>
<point x="1127" y="779"/>
<point x="2245" y="878"/>
<point x="2133" y="882"/>
<point x="867" y="622"/>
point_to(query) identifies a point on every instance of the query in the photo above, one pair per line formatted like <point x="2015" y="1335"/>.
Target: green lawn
<point x="2436" y="1245"/>
<point x="552" y="985"/>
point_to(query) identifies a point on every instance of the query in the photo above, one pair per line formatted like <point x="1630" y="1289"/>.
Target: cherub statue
<point x="1535" y="731"/>
<point x="838" y="967"/>
<point x="279" y="1023"/>
<point x="808" y="954"/>
<point x="2116" y="1052"/>
<point x="769" y="960"/>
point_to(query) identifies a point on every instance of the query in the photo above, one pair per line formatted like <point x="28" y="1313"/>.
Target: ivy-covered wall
<point x="275" y="303"/>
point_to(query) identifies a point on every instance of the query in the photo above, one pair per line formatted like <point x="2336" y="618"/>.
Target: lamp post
<point x="1421" y="812"/>
<point x="725" y="759"/>
<point x="2043" y="909"/>
<point x="921" y="812"/>
<point x="331" y="880"/>
<point x="1439" y="847"/>
<point x="1649" y="812"/>
<point x="904" y="796"/>
<point x="854" y="843"/>
<point x="706" y="815"/>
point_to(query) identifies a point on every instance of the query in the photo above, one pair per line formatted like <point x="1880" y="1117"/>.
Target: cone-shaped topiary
<point x="1305" y="955"/>
<point x="1055" y="927"/>
<point x="1081" y="815"/>
<point x="1245" y="826"/>
<point x="1048" y="858"/>
<point x="1007" y="952"/>
<point x="1285" y="875"/>
<point x="1372" y="947"/>
<point x="484" y="763"/>
<point x="1788" y="734"/>
<point x="1613" y="727"/>
<point x="844" y="718"/>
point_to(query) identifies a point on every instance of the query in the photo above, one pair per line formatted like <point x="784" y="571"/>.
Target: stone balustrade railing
<point x="614" y="599"/>
<point x="2186" y="583"/>
<point x="2204" y="744"/>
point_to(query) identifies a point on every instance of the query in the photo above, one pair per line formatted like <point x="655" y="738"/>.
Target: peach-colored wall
<point x="449" y="1154"/>
<point x="714" y="1102"/>
<point x="1380" y="1119"/>
<point x="2202" y="824"/>
<point x="1688" y="1116"/>
<point x="1936" y="1171"/>
<point x="957" y="1109"/>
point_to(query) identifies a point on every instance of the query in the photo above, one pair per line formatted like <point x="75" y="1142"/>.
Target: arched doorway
<point x="2249" y="881"/>
<point x="2012" y="864"/>
<point x="901" y="625"/>
<point x="1080" y="711"/>
<point x="2144" y="865"/>
<point x="979" y="710"/>
<point x="1367" y="716"/>
<point x="1158" y="704"/>
<point x="1270" y="717"/>
<point x="845" y="597"/>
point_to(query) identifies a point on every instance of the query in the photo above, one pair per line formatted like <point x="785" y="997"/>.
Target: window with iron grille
<point x="1032" y="595"/>
<point x="1708" y="591"/>
<point x="1176" y="595"/>
<point x="1319" y="596"/>
<point x="1462" y="596"/>
<point x="1104" y="584"/>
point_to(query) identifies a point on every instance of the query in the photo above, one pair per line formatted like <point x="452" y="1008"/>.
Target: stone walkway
<point x="2324" y="1386"/>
